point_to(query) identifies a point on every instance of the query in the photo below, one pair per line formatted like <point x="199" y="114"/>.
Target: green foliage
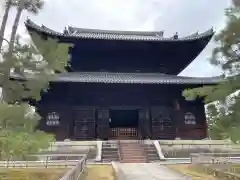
<point x="32" y="174"/>
<point x="18" y="137"/>
<point x="37" y="65"/>
<point x="32" y="68"/>
<point x="17" y="117"/>
<point x="224" y="115"/>
<point x="33" y="6"/>
<point x="18" y="145"/>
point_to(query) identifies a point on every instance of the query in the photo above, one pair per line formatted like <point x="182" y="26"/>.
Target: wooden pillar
<point x="178" y="117"/>
<point x="103" y="128"/>
<point x="144" y="123"/>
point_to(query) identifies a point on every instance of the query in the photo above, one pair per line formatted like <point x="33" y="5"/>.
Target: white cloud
<point x="184" y="16"/>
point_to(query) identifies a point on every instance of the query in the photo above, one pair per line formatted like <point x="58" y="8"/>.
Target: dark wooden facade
<point x="84" y="111"/>
<point x="118" y="78"/>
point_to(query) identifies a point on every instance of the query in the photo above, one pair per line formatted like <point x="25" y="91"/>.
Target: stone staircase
<point x="132" y="152"/>
<point x="110" y="151"/>
<point x="151" y="152"/>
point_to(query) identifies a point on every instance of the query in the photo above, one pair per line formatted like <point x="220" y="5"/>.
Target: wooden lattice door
<point x="162" y="124"/>
<point x="84" y="120"/>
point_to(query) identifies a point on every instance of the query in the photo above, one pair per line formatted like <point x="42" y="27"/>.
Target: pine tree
<point x="4" y="22"/>
<point x="32" y="6"/>
<point x="224" y="115"/>
<point x="31" y="71"/>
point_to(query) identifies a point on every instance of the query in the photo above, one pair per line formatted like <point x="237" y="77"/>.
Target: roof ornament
<point x="65" y="31"/>
<point x="70" y="29"/>
<point x="193" y="35"/>
<point x="42" y="26"/>
<point x="28" y="20"/>
<point x="175" y="36"/>
<point x="212" y="30"/>
<point x="160" y="33"/>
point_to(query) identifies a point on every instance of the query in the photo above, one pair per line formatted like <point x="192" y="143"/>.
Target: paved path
<point x="149" y="171"/>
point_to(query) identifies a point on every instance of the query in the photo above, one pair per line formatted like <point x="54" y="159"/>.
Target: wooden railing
<point x="124" y="132"/>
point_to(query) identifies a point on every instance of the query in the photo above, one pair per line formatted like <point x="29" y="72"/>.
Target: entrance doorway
<point x="124" y="124"/>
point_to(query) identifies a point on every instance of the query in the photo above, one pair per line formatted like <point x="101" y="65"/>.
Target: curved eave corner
<point x="114" y="35"/>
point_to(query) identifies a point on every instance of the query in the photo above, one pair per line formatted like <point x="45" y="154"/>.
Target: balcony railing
<point x="127" y="133"/>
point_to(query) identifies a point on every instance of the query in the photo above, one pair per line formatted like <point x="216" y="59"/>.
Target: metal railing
<point x="76" y="172"/>
<point x="39" y="164"/>
<point x="77" y="166"/>
<point x="214" y="158"/>
<point x="46" y="161"/>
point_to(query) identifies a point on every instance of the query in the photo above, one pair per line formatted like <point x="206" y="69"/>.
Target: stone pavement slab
<point x="149" y="171"/>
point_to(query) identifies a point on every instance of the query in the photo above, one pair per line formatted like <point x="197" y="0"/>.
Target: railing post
<point x="46" y="163"/>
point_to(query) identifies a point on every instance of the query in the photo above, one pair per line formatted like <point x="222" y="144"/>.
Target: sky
<point x="182" y="16"/>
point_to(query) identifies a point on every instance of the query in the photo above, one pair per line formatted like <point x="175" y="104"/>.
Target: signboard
<point x="53" y="119"/>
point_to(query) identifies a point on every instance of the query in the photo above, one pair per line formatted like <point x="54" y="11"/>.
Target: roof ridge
<point x="116" y="35"/>
<point x="127" y="32"/>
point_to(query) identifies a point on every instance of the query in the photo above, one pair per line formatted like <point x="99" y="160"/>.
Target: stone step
<point x="129" y="155"/>
<point x="106" y="147"/>
<point x="133" y="157"/>
<point x="133" y="153"/>
<point x="107" y="156"/>
<point x="110" y="160"/>
<point x="110" y="157"/>
<point x="110" y="152"/>
<point x="130" y="146"/>
<point x="130" y="150"/>
<point x="133" y="161"/>
<point x="110" y="146"/>
<point x="152" y="157"/>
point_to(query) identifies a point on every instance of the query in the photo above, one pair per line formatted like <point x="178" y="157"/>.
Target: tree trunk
<point x="11" y="48"/>
<point x="14" y="30"/>
<point x="4" y="23"/>
<point x="236" y="3"/>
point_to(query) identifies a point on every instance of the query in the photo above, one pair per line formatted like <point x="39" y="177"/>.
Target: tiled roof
<point x="130" y="78"/>
<point x="82" y="33"/>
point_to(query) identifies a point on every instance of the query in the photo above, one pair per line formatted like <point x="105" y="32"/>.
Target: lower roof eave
<point x="127" y="78"/>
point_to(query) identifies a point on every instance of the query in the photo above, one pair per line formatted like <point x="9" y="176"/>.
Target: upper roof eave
<point x="115" y="35"/>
